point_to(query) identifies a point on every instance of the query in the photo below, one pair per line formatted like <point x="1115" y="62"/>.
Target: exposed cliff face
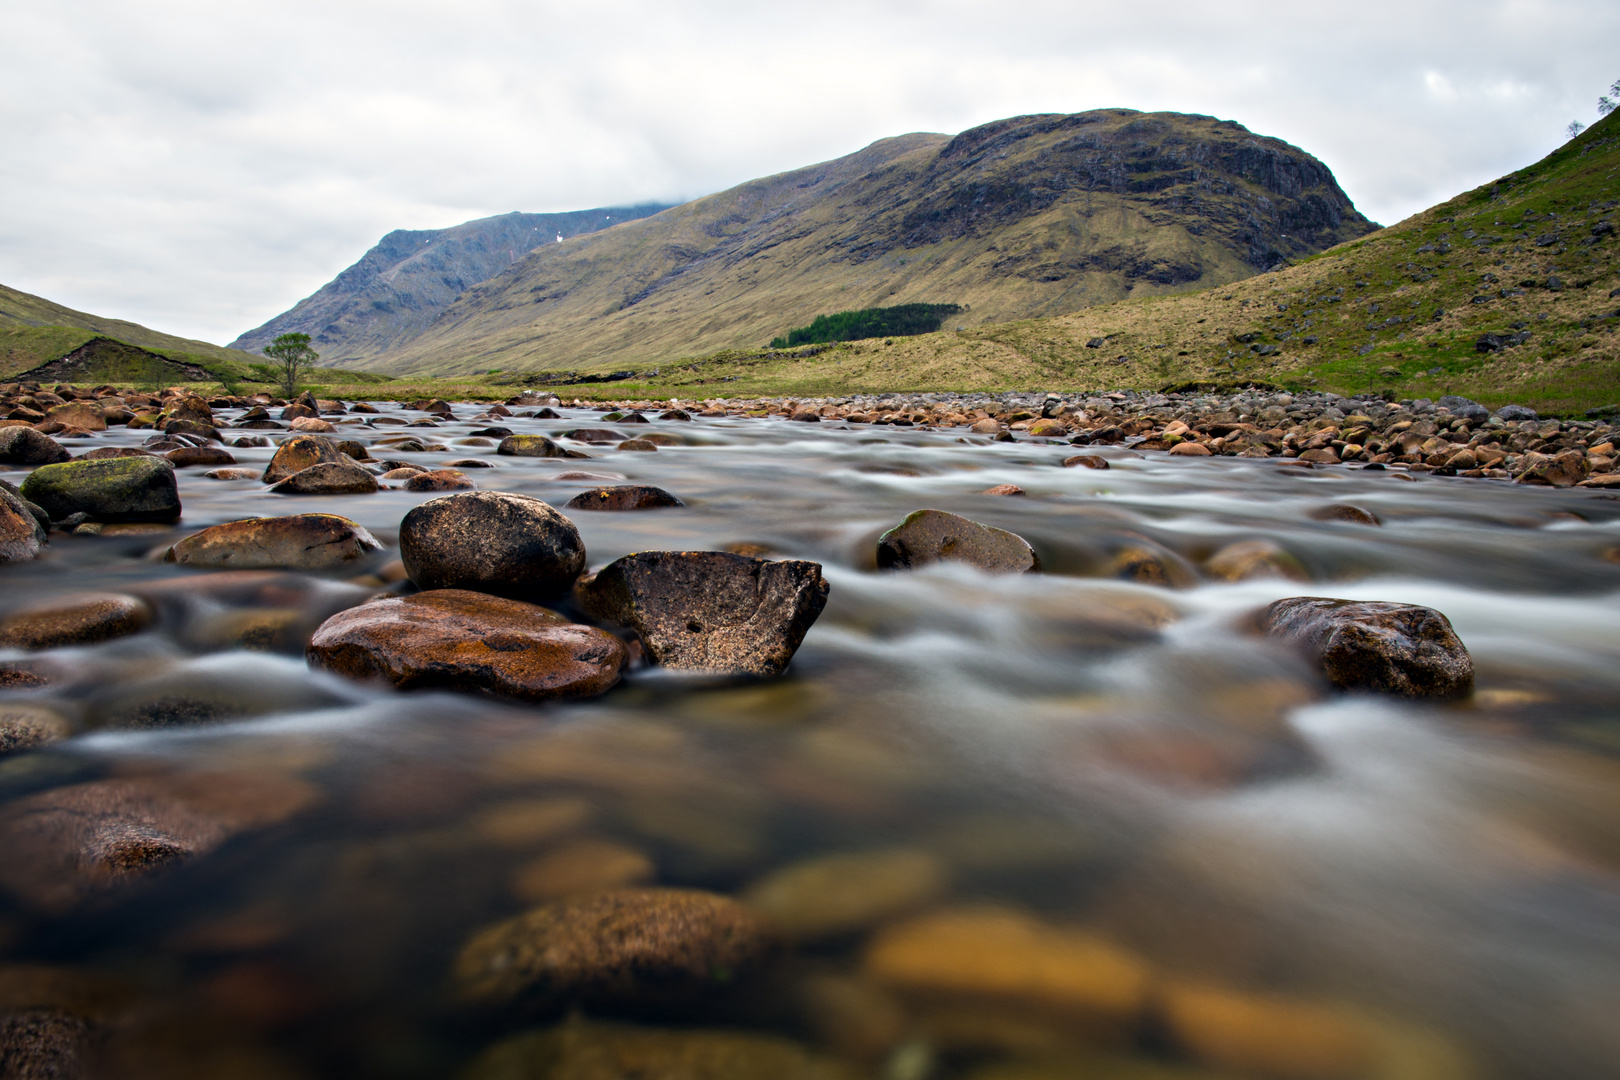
<point x="1032" y="216"/>
<point x="400" y="286"/>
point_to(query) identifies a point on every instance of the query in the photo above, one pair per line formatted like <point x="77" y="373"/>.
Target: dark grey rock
<point x="1392" y="648"/>
<point x="25" y="446"/>
<point x="111" y="489"/>
<point x="931" y="536"/>
<point x="1513" y="413"/>
<point x="491" y="542"/>
<point x="623" y="497"/>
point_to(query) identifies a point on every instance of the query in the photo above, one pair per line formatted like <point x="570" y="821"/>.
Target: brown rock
<point x="1247" y="560"/>
<point x="1149" y="564"/>
<point x="25" y="446"/>
<point x="930" y="536"/>
<point x="1090" y="461"/>
<point x="187" y="427"/>
<point x="528" y="446"/>
<point x="1325" y="455"/>
<point x="438" y="480"/>
<point x="621" y="946"/>
<point x="588" y="1050"/>
<point x="642" y="445"/>
<point x="299" y="453"/>
<point x="1368" y="645"/>
<point x="1354" y="515"/>
<point x="297" y="542"/>
<point x="24" y="726"/>
<point x="987" y="426"/>
<point x="1267" y="1035"/>
<point x="806" y="416"/>
<point x="581" y="866"/>
<point x="710" y="610"/>
<point x="193" y="408"/>
<point x="328" y="478"/>
<point x="493" y="542"/>
<point x="463" y="640"/>
<point x="45" y="1044"/>
<point x="623" y="497"/>
<point x="1048" y="428"/>
<point x="1192" y="449"/>
<point x="21" y="534"/>
<point x="839" y="894"/>
<point x="101" y="453"/>
<point x="1565" y="470"/>
<point x="231" y="474"/>
<point x="1004" y="489"/>
<point x="595" y="435"/>
<point x="200" y="455"/>
<point x="79" y="414"/>
<point x="312" y="424"/>
<point x="81" y="619"/>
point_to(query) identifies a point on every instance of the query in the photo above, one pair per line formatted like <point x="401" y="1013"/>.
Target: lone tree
<point x="291" y="352"/>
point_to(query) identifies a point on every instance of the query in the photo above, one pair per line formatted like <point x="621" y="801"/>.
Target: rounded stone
<point x="341" y="477"/>
<point x="1392" y="648"/>
<point x="642" y="445"/>
<point x="931" y="536"/>
<point x="1089" y="461"/>
<point x="81" y="619"/>
<point x="494" y="542"/>
<point x="528" y="446"/>
<point x="115" y="489"/>
<point x="459" y="640"/>
<point x="1247" y="560"/>
<point x="200" y="455"/>
<point x="438" y="480"/>
<point x="1353" y="515"/>
<point x="24" y="726"/>
<point x="21" y="535"/>
<point x="296" y="542"/>
<point x="839" y="894"/>
<point x="590" y="1050"/>
<point x="25" y="446"/>
<point x="299" y="453"/>
<point x="625" y="945"/>
<point x="623" y="497"/>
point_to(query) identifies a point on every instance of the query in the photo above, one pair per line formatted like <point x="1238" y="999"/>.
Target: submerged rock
<point x="25" y="446"/>
<point x="622" y="946"/>
<point x="1267" y="1035"/>
<point x="1247" y="560"/>
<point x="710" y="610"/>
<point x="838" y="894"/>
<point x="459" y="640"/>
<point x="931" y="536"/>
<point x="341" y="477"/>
<point x="589" y="1050"/>
<point x="82" y="619"/>
<point x="528" y="446"/>
<point x="24" y="726"/>
<point x="623" y="497"/>
<point x="296" y="542"/>
<point x="21" y="534"/>
<point x="115" y="489"/>
<point x="493" y="542"/>
<point x="1353" y="515"/>
<point x="1370" y="645"/>
<point x="299" y="453"/>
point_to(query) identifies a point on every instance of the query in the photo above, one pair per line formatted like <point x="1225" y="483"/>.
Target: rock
<point x="328" y="478"/>
<point x="187" y="427"/>
<point x="231" y="474"/>
<point x="674" y="414"/>
<point x="24" y="726"/>
<point x="493" y="542"/>
<point x="21" y="534"/>
<point x="1267" y="1035"/>
<point x="622" y="946"/>
<point x="580" y="867"/>
<point x="591" y="1050"/>
<point x="840" y="894"/>
<point x="80" y="414"/>
<point x="46" y="1044"/>
<point x="595" y="435"/>
<point x="1003" y="957"/>
<point x="930" y="536"/>
<point x="1353" y="515"/>
<point x="1463" y="407"/>
<point x="192" y="408"/>
<point x="528" y="446"/>
<point x="200" y="455"/>
<point x="118" y="489"/>
<point x="987" y="426"/>
<point x="1192" y="449"/>
<point x="81" y="619"/>
<point x="459" y="640"/>
<point x="1048" y="428"/>
<point x="312" y="424"/>
<point x="296" y="542"/>
<point x="1149" y="564"/>
<point x="710" y="610"/>
<point x="623" y="497"/>
<point x="1089" y="461"/>
<point x="1247" y="560"/>
<point x="1004" y="489"/>
<point x="438" y="480"/>
<point x="641" y="445"/>
<point x="299" y="453"/>
<point x="805" y="416"/>
<point x="1514" y="413"/>
<point x="1565" y="470"/>
<point x="102" y="452"/>
<point x="1325" y="455"/>
<point x="1369" y="645"/>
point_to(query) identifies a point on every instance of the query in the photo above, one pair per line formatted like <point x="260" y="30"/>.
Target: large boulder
<point x="623" y="497"/>
<point x="116" y="489"/>
<point x="1392" y="648"/>
<point x="341" y="477"/>
<point x="454" y="639"/>
<point x="21" y="535"/>
<point x="299" y="453"/>
<point x="932" y="536"/>
<point x="710" y="610"/>
<point x="619" y="947"/>
<point x="25" y="446"/>
<point x="296" y="542"/>
<point x="492" y="542"/>
<point x="85" y="415"/>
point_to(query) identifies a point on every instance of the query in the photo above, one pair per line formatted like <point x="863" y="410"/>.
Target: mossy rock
<point x="111" y="489"/>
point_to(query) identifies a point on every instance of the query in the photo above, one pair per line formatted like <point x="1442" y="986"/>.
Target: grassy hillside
<point x="1034" y="216"/>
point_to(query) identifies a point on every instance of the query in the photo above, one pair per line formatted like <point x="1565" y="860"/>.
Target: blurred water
<point x="1105" y="754"/>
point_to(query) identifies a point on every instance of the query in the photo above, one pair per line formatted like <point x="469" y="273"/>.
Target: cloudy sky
<point x="199" y="167"/>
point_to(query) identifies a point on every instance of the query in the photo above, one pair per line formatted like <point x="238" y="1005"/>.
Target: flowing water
<point x="1104" y="756"/>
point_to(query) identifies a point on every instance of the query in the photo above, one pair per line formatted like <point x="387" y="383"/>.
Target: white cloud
<point x="200" y="167"/>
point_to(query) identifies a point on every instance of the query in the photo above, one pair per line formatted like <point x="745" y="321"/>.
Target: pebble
<point x="328" y="478"/>
<point x="460" y="640"/>
<point x="83" y="619"/>
<point x="623" y="497"/>
<point x="295" y="542"/>
<point x="299" y="453"/>
<point x="930" y="536"/>
<point x="618" y="947"/>
<point x="1391" y="648"/>
<point x="839" y="894"/>
<point x="710" y="611"/>
<point x="591" y="1050"/>
<point x="490" y="541"/>
<point x="117" y="489"/>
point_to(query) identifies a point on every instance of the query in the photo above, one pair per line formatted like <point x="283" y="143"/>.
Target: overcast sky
<point x="199" y="167"/>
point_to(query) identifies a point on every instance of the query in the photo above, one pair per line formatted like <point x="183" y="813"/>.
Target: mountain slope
<point x="34" y="330"/>
<point x="1036" y="215"/>
<point x="400" y="286"/>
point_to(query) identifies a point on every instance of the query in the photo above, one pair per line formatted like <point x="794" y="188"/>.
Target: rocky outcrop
<point x="1390" y="648"/>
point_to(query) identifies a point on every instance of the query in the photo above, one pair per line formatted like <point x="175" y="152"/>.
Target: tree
<point x="1575" y="128"/>
<point x="1607" y="104"/>
<point x="292" y="354"/>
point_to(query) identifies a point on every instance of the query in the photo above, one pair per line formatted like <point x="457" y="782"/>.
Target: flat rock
<point x="232" y="474"/>
<point x="299" y="453"/>
<point x="1004" y="489"/>
<point x="623" y="497"/>
<point x="839" y="894"/>
<point x="932" y="536"/>
<point x="295" y="542"/>
<point x="493" y="542"/>
<point x="117" y="489"/>
<point x="460" y="640"/>
<point x="1392" y="648"/>
<point x="589" y="1050"/>
<point x="1353" y="515"/>
<point x="21" y="535"/>
<point x="84" y="415"/>
<point x="528" y="446"/>
<point x="80" y="619"/>
<point x="621" y="946"/>
<point x="710" y="610"/>
<point x="328" y="478"/>
<point x="595" y="435"/>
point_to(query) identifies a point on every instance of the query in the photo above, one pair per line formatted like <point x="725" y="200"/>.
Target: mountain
<point x="1036" y="215"/>
<point x="400" y="286"/>
<point x="34" y="330"/>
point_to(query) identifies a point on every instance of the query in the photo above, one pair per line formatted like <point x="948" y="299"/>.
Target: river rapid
<point x="1094" y="757"/>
